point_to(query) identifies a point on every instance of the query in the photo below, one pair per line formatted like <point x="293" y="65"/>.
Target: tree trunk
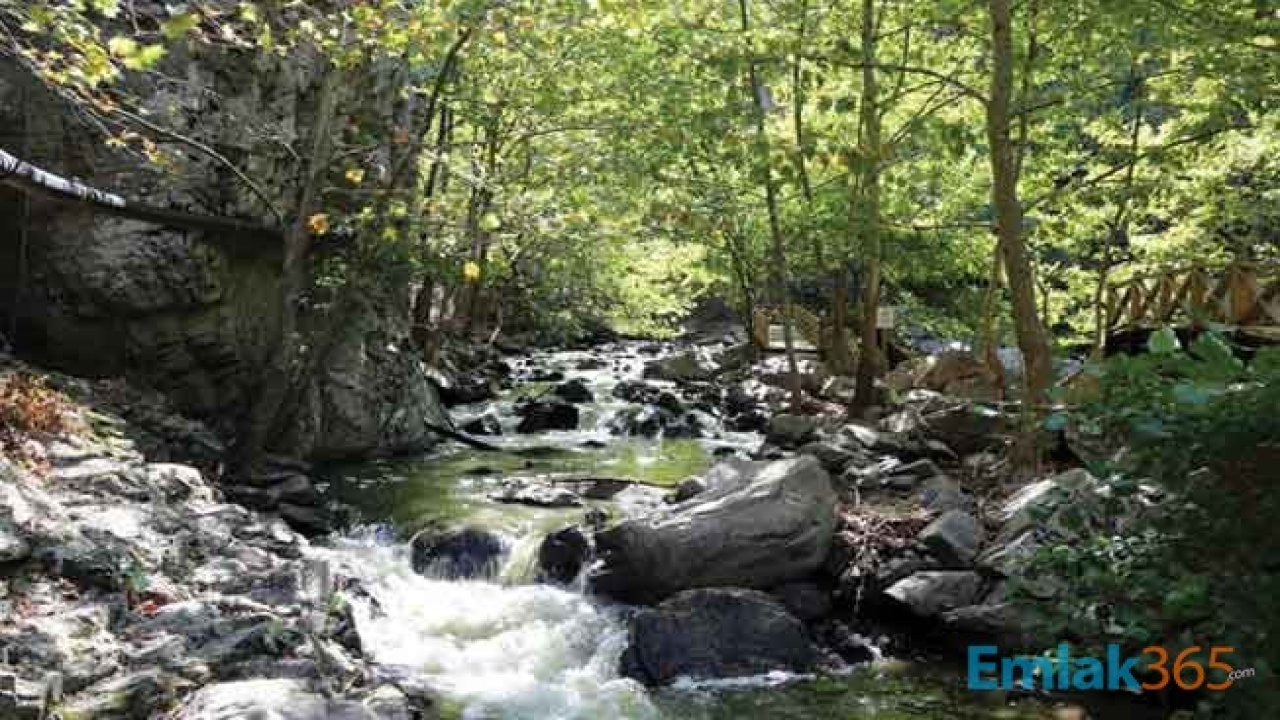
<point x="1032" y="339"/>
<point x="839" y="360"/>
<point x="279" y="380"/>
<point x="869" y="222"/>
<point x="778" y="255"/>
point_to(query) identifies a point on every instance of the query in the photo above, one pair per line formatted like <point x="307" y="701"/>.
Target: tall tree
<point x="1005" y="168"/>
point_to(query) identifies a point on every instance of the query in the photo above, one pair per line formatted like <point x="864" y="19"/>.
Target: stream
<point x="507" y="647"/>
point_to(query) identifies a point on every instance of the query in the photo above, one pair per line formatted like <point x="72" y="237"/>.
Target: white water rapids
<point x="499" y="651"/>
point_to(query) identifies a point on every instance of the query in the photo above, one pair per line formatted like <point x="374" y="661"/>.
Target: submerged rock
<point x="716" y="633"/>
<point x="462" y="554"/>
<point x="543" y="415"/>
<point x="486" y="424"/>
<point x="762" y="525"/>
<point x="536" y="493"/>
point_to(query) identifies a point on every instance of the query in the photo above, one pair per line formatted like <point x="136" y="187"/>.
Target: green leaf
<point x="177" y="27"/>
<point x="1189" y="394"/>
<point x="1164" y="342"/>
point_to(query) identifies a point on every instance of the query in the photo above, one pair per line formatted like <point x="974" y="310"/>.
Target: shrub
<point x="1197" y="440"/>
<point x="28" y="408"/>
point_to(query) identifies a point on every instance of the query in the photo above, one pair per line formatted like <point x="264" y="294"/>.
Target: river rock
<point x="543" y="415"/>
<point x="931" y="593"/>
<point x="277" y="699"/>
<point x="562" y="555"/>
<point x="635" y="391"/>
<point x="941" y="494"/>
<point x="687" y="488"/>
<point x="536" y="493"/>
<point x="574" y="391"/>
<point x="833" y="457"/>
<point x="954" y="537"/>
<point x="691" y="365"/>
<point x="485" y="424"/>
<point x="651" y="421"/>
<point x="791" y="431"/>
<point x="716" y="633"/>
<point x="461" y="554"/>
<point x="762" y="525"/>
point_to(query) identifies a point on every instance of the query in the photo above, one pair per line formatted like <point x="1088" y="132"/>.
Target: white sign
<point x="886" y="315"/>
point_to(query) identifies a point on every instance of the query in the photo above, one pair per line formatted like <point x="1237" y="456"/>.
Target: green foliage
<point x="1181" y="547"/>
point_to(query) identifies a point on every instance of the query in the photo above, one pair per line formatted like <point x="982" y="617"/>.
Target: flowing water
<point x="506" y="648"/>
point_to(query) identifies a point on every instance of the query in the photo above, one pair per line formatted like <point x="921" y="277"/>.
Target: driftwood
<point x="25" y="177"/>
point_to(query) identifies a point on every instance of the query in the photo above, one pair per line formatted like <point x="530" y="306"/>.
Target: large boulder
<point x="761" y="525"/>
<point x="716" y="633"/>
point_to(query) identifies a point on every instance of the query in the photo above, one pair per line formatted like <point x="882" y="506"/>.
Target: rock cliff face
<point x="193" y="313"/>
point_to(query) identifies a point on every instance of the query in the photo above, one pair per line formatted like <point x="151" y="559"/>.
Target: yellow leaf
<point x="318" y="224"/>
<point x="355" y="176"/>
<point x="471" y="271"/>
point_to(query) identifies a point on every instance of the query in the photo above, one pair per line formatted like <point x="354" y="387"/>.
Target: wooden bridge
<point x="769" y="335"/>
<point x="1243" y="296"/>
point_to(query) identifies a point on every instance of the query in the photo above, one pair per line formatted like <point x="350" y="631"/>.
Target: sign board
<point x="886" y="317"/>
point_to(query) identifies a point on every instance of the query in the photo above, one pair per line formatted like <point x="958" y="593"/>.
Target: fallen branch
<point x="25" y="177"/>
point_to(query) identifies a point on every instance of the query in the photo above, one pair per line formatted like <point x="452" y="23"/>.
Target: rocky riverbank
<point x="136" y="586"/>
<point x="131" y="588"/>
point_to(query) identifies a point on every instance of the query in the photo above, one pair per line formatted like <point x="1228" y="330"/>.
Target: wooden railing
<point x="1243" y="295"/>
<point x="808" y="326"/>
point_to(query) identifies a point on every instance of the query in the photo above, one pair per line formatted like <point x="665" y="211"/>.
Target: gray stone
<point x="791" y="431"/>
<point x="562" y="555"/>
<point x="833" y="457"/>
<point x="771" y="525"/>
<point x="716" y="633"/>
<point x="536" y="494"/>
<point x="541" y="416"/>
<point x="281" y="699"/>
<point x="688" y="488"/>
<point x="931" y="593"/>
<point x="954" y="537"/>
<point x="692" y="365"/>
<point x="941" y="494"/>
<point x="457" y="555"/>
<point x="574" y="391"/>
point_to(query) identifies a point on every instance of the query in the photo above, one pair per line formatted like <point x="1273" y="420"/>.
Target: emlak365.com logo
<point x="1192" y="668"/>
